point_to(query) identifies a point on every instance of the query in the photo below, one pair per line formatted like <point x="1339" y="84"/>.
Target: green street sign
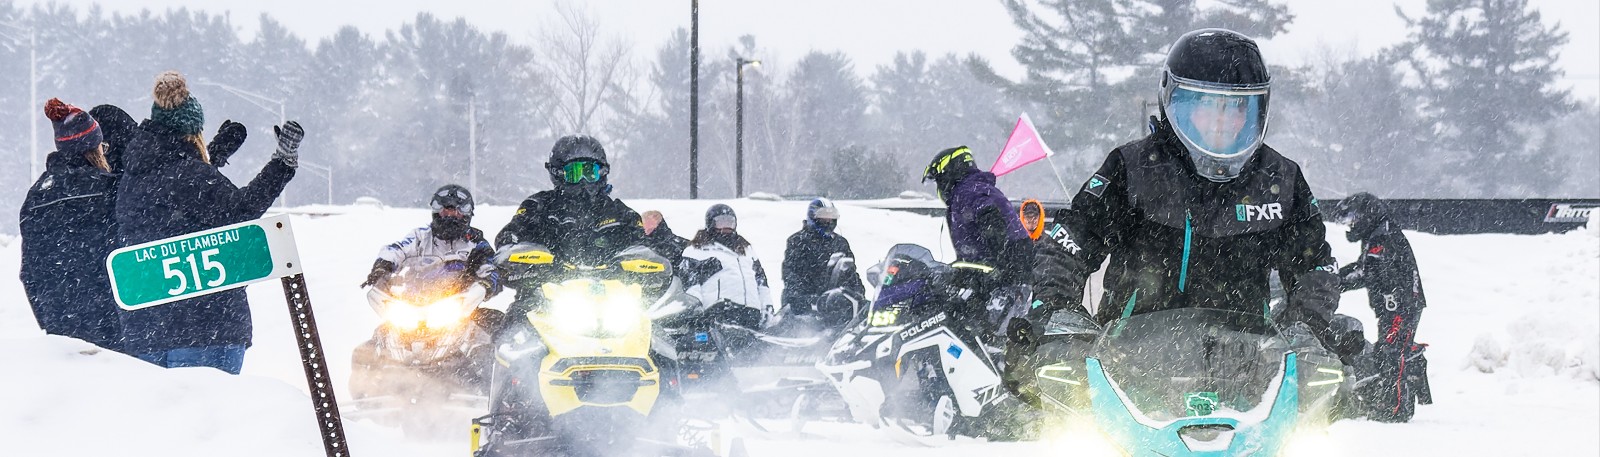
<point x="201" y="263"/>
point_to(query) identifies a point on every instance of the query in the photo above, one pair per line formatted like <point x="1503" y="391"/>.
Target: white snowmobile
<point x="910" y="362"/>
<point x="426" y="360"/>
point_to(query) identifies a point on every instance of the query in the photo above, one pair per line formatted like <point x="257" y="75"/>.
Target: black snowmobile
<point x="771" y="370"/>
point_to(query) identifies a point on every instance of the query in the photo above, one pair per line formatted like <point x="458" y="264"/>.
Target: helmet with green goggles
<point x="582" y="171"/>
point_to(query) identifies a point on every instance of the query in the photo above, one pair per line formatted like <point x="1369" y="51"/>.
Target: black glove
<point x="380" y="269"/>
<point x="230" y="136"/>
<point x="289" y="136"/>
<point x="488" y="319"/>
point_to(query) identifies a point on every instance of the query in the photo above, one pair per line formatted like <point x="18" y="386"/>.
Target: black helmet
<point x="1214" y="94"/>
<point x="1363" y="212"/>
<point x="578" y="162"/>
<point x="451" y="227"/>
<point x="948" y="168"/>
<point x="720" y="214"/>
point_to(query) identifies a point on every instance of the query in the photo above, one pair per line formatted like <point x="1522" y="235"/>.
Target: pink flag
<point x="1024" y="147"/>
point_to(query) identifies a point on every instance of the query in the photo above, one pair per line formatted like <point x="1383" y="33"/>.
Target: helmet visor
<point x="1219" y="123"/>
<point x="582" y="171"/>
<point x="724" y="221"/>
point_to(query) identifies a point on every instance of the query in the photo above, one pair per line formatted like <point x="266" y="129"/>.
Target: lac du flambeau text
<point x="187" y="245"/>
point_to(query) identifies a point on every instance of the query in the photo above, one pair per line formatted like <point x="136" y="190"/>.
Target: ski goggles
<point x="724" y="221"/>
<point x="581" y="171"/>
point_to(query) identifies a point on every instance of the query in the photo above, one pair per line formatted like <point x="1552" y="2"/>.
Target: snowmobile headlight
<point x="1307" y="443"/>
<point x="444" y="312"/>
<point x="1084" y="440"/>
<point x="403" y="315"/>
<point x="608" y="308"/>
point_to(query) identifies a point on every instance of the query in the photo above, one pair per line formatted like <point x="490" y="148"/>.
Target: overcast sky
<point x="869" y="31"/>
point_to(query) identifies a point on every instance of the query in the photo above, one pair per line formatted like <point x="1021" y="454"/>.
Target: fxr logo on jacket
<point x="1269" y="211"/>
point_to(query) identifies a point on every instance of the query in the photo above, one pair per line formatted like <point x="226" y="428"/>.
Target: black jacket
<point x="805" y="264"/>
<point x="582" y="229"/>
<point x="1177" y="240"/>
<point x="666" y="243"/>
<point x="67" y="232"/>
<point x="1388" y="270"/>
<point x="167" y="191"/>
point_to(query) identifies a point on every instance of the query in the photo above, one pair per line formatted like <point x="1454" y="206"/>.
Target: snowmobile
<point x="426" y="358"/>
<point x="909" y="362"/>
<point x="581" y="369"/>
<point x="772" y="370"/>
<point x="1193" y="382"/>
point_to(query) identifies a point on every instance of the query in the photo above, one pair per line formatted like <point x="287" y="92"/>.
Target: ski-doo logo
<point x="935" y="320"/>
<point x="1247" y="213"/>
<point x="1570" y="212"/>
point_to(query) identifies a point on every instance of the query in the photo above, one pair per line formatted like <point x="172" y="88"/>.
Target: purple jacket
<point x="984" y="227"/>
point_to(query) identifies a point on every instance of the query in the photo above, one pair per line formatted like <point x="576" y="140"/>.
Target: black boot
<point x="1417" y="375"/>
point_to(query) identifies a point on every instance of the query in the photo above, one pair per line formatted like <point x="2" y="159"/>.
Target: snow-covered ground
<point x="1514" y="324"/>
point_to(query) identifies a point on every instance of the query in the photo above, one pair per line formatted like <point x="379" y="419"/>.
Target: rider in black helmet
<point x="578" y="219"/>
<point x="1195" y="214"/>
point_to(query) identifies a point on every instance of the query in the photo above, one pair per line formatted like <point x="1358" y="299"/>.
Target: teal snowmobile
<point x="1193" y="382"/>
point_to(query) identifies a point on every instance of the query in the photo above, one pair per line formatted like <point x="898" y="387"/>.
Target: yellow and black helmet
<point x="948" y="168"/>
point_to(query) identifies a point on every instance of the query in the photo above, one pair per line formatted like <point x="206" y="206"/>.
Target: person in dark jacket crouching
<point x="67" y="231"/>
<point x="171" y="188"/>
<point x="1387" y="268"/>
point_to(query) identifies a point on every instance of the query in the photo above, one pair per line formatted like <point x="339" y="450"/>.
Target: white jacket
<point x="420" y="249"/>
<point x="741" y="280"/>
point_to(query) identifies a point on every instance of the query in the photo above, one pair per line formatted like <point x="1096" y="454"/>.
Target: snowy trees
<point x="1486" y="70"/>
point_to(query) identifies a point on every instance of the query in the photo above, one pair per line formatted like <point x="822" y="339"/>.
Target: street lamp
<point x="263" y="102"/>
<point x="738" y="137"/>
<point x="33" y="90"/>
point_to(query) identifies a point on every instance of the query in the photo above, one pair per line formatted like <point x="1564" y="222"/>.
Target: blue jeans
<point x="228" y="358"/>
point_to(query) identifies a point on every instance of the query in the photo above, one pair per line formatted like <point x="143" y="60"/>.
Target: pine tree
<point x="1488" y="70"/>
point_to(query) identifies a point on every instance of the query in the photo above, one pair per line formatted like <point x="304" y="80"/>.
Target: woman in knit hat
<point x="67" y="232"/>
<point x="170" y="187"/>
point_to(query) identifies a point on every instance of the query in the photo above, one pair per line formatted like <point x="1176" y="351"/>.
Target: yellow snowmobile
<point x="580" y="366"/>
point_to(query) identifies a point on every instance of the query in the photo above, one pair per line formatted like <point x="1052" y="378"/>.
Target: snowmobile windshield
<point x="1192" y="362"/>
<point x="426" y="279"/>
<point x="908" y="270"/>
<point x="1221" y="127"/>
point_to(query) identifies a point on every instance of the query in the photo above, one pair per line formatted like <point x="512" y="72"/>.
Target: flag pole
<point x="1063" y="182"/>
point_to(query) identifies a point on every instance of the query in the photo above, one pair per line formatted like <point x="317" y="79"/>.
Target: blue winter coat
<point x="67" y="231"/>
<point x="985" y="229"/>
<point x="167" y="191"/>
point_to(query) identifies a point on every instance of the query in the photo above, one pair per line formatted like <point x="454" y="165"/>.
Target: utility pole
<point x="738" y="142"/>
<point x="694" y="99"/>
<point x="472" y="143"/>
